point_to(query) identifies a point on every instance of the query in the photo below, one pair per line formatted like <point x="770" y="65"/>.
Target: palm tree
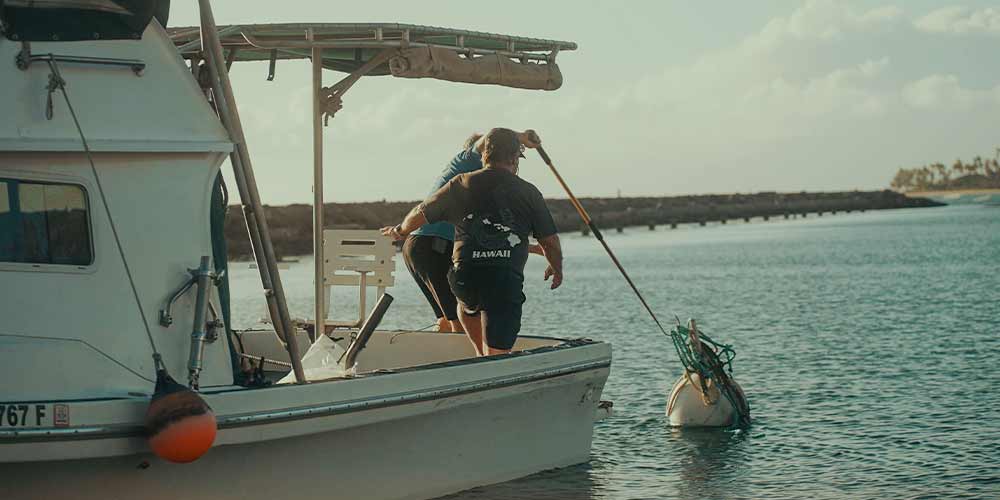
<point x="943" y="172"/>
<point x="958" y="167"/>
<point x="921" y="179"/>
<point x="908" y="179"/>
<point x="901" y="181"/>
<point x="970" y="169"/>
<point x="896" y="183"/>
<point x="977" y="164"/>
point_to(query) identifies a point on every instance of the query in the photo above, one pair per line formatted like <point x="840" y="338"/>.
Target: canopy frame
<point x="346" y="45"/>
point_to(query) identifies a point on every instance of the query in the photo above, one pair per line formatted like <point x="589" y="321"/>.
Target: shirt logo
<point x="490" y="254"/>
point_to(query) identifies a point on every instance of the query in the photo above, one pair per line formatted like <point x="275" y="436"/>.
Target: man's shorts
<point x="494" y="292"/>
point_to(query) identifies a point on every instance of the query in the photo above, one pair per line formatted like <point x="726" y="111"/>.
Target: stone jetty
<point x="292" y="233"/>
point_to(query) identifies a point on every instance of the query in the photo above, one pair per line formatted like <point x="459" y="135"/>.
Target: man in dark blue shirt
<point x="427" y="251"/>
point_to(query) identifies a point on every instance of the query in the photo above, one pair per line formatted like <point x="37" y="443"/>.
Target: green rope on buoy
<point x="711" y="362"/>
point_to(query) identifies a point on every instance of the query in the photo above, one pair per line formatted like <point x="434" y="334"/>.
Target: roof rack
<point x="348" y="46"/>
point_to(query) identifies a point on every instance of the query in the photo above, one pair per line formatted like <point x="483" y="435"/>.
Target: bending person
<point x="494" y="211"/>
<point x="427" y="251"/>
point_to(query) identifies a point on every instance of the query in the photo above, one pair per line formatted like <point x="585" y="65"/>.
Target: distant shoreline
<point x="291" y="225"/>
<point x="946" y="192"/>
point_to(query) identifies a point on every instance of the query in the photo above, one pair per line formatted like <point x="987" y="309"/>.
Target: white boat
<point x="94" y="243"/>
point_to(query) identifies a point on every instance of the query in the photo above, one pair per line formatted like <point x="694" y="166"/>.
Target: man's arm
<point x="552" y="250"/>
<point x="435" y="208"/>
<point x="529" y="138"/>
<point x="411" y="223"/>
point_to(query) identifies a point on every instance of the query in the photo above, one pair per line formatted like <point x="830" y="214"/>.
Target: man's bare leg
<point x="449" y="326"/>
<point x="485" y="345"/>
<point x="473" y="328"/>
<point x="444" y="325"/>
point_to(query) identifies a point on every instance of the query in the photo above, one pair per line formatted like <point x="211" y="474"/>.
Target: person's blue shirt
<point x="467" y="161"/>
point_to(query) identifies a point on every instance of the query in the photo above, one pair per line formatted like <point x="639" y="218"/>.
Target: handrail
<point x="166" y="318"/>
<point x="25" y="58"/>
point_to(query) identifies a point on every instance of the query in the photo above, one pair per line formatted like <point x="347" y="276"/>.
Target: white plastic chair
<point x="357" y="257"/>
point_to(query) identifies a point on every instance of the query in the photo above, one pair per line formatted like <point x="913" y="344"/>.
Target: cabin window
<point x="44" y="223"/>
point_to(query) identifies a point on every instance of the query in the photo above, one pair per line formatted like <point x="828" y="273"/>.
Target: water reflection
<point x="711" y="462"/>
<point x="572" y="483"/>
<point x="705" y="463"/>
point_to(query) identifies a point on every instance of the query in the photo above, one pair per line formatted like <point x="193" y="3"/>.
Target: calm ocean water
<point x="867" y="345"/>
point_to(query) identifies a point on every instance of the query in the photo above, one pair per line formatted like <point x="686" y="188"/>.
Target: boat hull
<point x="415" y="450"/>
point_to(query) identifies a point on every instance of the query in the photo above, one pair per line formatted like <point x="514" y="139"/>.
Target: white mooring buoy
<point x="706" y="395"/>
<point x="688" y="406"/>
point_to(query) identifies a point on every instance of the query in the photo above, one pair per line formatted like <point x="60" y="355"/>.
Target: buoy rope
<point x="694" y="357"/>
<point x="710" y="360"/>
<point x="56" y="81"/>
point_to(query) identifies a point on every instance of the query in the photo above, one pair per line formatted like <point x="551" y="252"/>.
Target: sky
<point x="662" y="97"/>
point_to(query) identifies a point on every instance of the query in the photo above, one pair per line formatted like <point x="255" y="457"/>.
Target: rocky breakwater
<point x="291" y="227"/>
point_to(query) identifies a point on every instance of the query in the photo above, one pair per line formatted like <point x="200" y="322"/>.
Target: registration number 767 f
<point x="24" y="415"/>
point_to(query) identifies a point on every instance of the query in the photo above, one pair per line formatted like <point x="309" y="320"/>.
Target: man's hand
<point x="557" y="277"/>
<point x="392" y="232"/>
<point x="552" y="251"/>
<point x="529" y="138"/>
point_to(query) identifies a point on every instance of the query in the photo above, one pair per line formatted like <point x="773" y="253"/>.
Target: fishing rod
<point x="600" y="237"/>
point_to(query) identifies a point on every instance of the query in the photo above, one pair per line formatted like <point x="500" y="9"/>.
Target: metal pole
<point x="317" y="85"/>
<point x="197" y="353"/>
<point x="248" y="187"/>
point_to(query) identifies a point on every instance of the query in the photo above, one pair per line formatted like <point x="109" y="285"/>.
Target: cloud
<point x="779" y="81"/>
<point x="824" y="95"/>
<point x="826" y="77"/>
<point x="822" y="20"/>
<point x="945" y="93"/>
<point x="957" y="20"/>
<point x="843" y="90"/>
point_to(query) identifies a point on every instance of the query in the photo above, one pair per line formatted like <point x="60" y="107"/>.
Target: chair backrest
<point x="349" y="252"/>
<point x="356" y="256"/>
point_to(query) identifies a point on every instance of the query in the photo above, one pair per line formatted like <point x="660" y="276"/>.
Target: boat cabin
<point x="114" y="274"/>
<point x="94" y="240"/>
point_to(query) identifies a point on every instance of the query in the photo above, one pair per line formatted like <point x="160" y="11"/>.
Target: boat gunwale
<point x="272" y="416"/>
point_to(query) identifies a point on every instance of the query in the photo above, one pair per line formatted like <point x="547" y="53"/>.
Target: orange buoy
<point x="180" y="426"/>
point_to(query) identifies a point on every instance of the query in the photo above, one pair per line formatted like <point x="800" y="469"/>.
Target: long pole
<point x="243" y="171"/>
<point x="600" y="237"/>
<point x="320" y="290"/>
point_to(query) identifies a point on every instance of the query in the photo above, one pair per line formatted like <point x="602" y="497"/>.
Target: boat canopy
<point x="359" y="49"/>
<point x="401" y="50"/>
<point x="75" y="20"/>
